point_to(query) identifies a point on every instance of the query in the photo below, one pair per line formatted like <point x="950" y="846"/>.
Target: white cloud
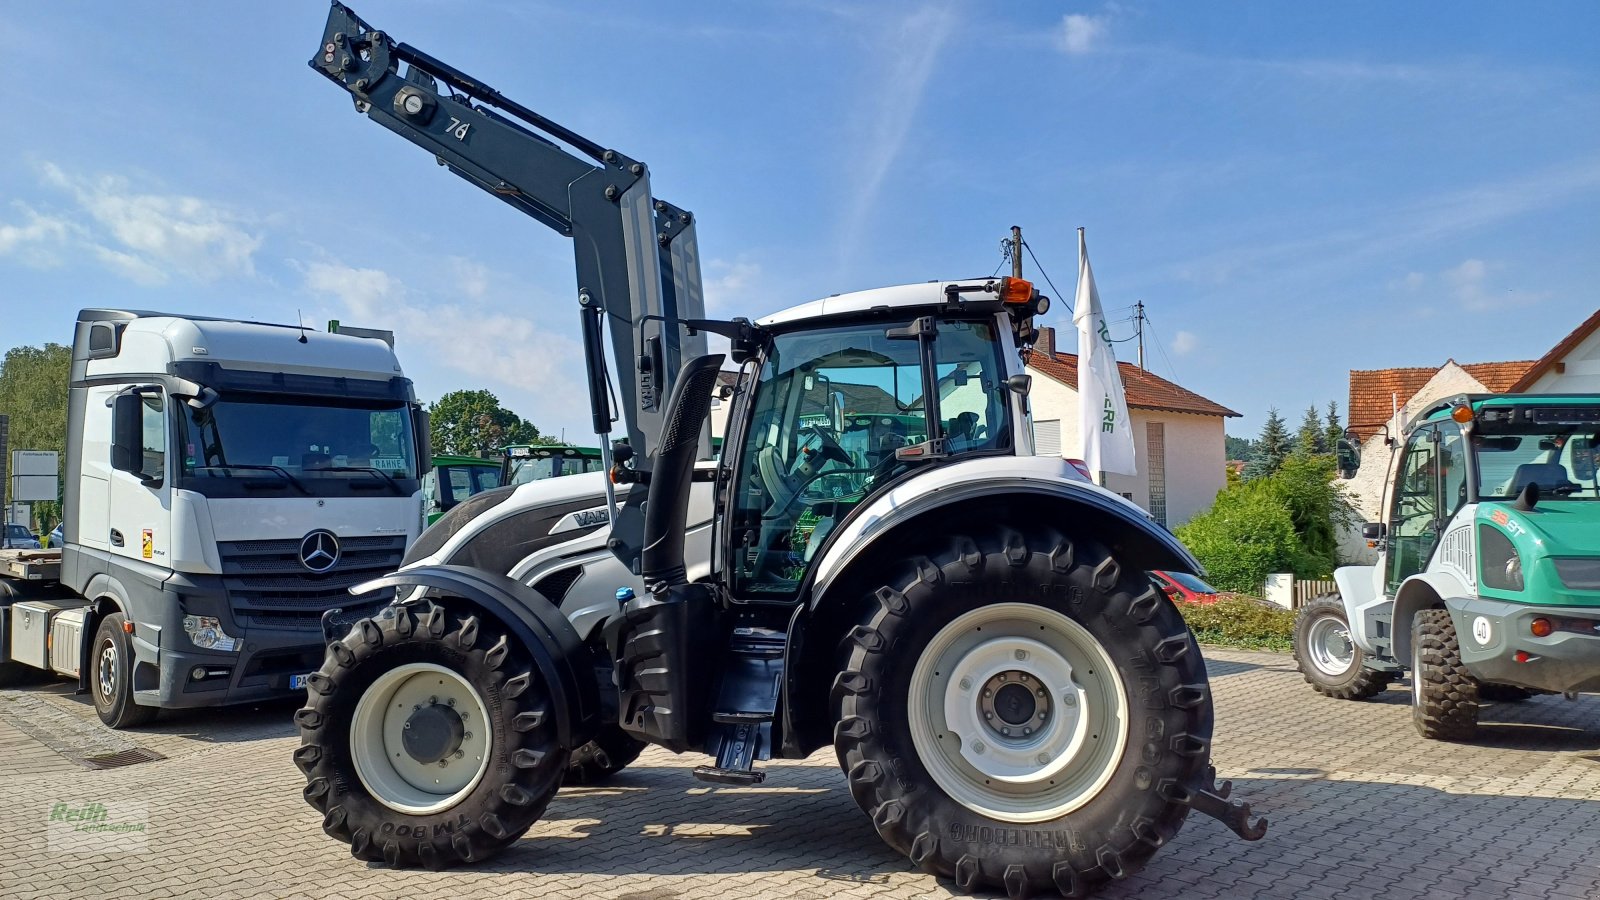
<point x="150" y="237"/>
<point x="1080" y="33"/>
<point x="472" y="339"/>
<point x="37" y="241"/>
<point x="1466" y="283"/>
<point x="1184" y="342"/>
<point x="729" y="285"/>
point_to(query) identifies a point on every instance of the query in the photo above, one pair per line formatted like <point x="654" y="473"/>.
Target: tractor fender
<point x="1361" y="591"/>
<point x="1419" y="592"/>
<point x="1042" y="485"/>
<point x="564" y="661"/>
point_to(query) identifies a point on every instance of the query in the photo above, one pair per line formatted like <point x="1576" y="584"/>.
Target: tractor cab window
<point x="1416" y="513"/>
<point x="831" y="409"/>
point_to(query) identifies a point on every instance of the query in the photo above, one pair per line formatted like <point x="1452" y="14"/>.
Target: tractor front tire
<point x="1327" y="655"/>
<point x="428" y="738"/>
<point x="1444" y="695"/>
<point x="611" y="751"/>
<point x="1022" y="712"/>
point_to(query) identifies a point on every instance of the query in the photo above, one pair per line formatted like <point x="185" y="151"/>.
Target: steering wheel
<point x="806" y="465"/>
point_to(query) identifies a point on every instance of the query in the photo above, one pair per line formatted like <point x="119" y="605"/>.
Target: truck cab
<point x="226" y="482"/>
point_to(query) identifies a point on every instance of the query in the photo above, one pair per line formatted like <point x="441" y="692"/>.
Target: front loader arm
<point x="638" y="267"/>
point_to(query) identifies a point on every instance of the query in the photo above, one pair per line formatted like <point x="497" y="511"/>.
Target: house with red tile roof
<point x="1382" y="401"/>
<point x="1179" y="444"/>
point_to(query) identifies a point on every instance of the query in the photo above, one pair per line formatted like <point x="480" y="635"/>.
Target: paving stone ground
<point x="1360" y="808"/>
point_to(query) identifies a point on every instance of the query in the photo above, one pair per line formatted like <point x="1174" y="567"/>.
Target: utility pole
<point x="1016" y="251"/>
<point x="1138" y="321"/>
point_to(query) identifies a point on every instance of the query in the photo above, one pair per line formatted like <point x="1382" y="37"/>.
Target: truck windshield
<point x="299" y="442"/>
<point x="1561" y="461"/>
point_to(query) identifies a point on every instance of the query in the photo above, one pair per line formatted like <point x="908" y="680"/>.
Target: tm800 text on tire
<point x="1020" y="711"/>
<point x="427" y="738"/>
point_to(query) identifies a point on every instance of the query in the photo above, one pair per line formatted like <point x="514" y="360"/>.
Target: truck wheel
<point x="427" y="738"/>
<point x="1330" y="661"/>
<point x="111" y="676"/>
<point x="1444" y="696"/>
<point x="611" y="751"/>
<point x="1022" y="712"/>
<point x="1502" y="693"/>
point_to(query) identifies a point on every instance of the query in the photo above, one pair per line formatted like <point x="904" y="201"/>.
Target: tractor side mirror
<point x="1020" y="384"/>
<point x="836" y="412"/>
<point x="1372" y="531"/>
<point x="1348" y="456"/>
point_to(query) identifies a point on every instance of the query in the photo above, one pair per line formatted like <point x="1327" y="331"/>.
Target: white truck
<point x="226" y="481"/>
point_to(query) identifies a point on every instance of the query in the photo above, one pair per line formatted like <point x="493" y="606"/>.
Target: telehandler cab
<point x="883" y="564"/>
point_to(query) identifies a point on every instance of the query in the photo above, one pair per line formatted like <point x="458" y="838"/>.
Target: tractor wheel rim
<point x="386" y="762"/>
<point x="1332" y="651"/>
<point x="1017" y="712"/>
<point x="107" y="672"/>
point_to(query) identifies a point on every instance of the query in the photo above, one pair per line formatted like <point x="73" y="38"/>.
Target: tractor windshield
<point x="1560" y="459"/>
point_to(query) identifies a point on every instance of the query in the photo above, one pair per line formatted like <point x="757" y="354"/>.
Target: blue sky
<point x="1293" y="190"/>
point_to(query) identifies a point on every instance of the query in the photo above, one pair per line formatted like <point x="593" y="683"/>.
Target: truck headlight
<point x="206" y="633"/>
<point x="1502" y="566"/>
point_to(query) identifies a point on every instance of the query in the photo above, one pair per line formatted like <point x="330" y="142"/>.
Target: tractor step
<point x="737" y="747"/>
<point x="728" y="776"/>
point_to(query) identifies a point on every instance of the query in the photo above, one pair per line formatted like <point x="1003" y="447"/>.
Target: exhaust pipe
<point x="661" y="562"/>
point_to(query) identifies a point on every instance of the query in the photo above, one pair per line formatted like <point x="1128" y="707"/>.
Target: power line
<point x="1161" y="345"/>
<point x="1059" y="296"/>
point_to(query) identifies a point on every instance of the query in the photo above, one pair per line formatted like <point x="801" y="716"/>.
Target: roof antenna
<point x="302" y="319"/>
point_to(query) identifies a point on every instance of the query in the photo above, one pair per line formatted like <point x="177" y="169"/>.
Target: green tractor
<point x="1487" y="585"/>
<point x="522" y="463"/>
<point x="454" y="479"/>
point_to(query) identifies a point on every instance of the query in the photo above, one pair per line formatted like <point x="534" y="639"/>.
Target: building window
<point x="1156" y="461"/>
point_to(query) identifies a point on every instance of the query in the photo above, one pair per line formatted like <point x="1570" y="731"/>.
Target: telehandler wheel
<point x="611" y="751"/>
<point x="428" y="738"/>
<point x="1328" y="658"/>
<point x="1021" y="712"/>
<point x="111" y="676"/>
<point x="1444" y="696"/>
<point x="1502" y="693"/>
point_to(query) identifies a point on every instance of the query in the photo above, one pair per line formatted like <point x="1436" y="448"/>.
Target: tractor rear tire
<point x="1502" y="693"/>
<point x="1069" y="643"/>
<point x="1327" y="656"/>
<point x="356" y="738"/>
<point x="1444" y="695"/>
<point x="611" y="751"/>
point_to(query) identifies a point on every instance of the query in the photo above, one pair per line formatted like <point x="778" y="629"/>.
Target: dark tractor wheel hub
<point x="1014" y="704"/>
<point x="432" y="733"/>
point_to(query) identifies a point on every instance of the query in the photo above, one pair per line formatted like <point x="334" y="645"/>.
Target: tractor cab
<point x="849" y="394"/>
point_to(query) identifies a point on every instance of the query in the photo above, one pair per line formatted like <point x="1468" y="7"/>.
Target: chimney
<point x="1045" y="344"/>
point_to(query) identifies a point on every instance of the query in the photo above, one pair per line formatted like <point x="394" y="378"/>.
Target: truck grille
<point x="268" y="586"/>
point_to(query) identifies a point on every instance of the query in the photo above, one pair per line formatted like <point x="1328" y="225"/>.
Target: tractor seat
<point x="1548" y="475"/>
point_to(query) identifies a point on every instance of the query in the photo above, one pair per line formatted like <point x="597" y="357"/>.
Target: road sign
<point x="33" y="475"/>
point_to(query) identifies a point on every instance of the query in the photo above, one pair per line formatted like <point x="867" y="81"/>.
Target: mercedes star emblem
<point x="319" y="550"/>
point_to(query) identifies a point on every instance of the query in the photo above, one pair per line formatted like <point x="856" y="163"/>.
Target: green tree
<point x="1245" y="536"/>
<point x="33" y="393"/>
<point x="1310" y="439"/>
<point x="1332" y="431"/>
<point x="474" y="423"/>
<point x="1238" y="447"/>
<point x="1271" y="448"/>
<point x="1316" y="504"/>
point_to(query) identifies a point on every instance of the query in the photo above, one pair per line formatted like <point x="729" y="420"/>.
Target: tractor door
<point x="1430" y="487"/>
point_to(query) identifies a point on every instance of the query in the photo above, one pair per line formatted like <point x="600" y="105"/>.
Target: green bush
<point x="1240" y="622"/>
<point x="1245" y="536"/>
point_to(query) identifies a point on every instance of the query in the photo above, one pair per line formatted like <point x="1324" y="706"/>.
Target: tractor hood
<point x="1552" y="528"/>
<point x="1555" y="542"/>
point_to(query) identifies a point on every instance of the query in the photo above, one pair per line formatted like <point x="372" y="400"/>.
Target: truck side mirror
<point x="422" y="424"/>
<point x="1349" y="458"/>
<point x="127" y="433"/>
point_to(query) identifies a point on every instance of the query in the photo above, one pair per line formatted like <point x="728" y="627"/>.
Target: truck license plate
<point x="297" y="682"/>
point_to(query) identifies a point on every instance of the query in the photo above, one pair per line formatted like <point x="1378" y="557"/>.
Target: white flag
<point x="1102" y="406"/>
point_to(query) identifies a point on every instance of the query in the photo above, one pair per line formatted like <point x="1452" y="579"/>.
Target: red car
<point x="1184" y="588"/>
